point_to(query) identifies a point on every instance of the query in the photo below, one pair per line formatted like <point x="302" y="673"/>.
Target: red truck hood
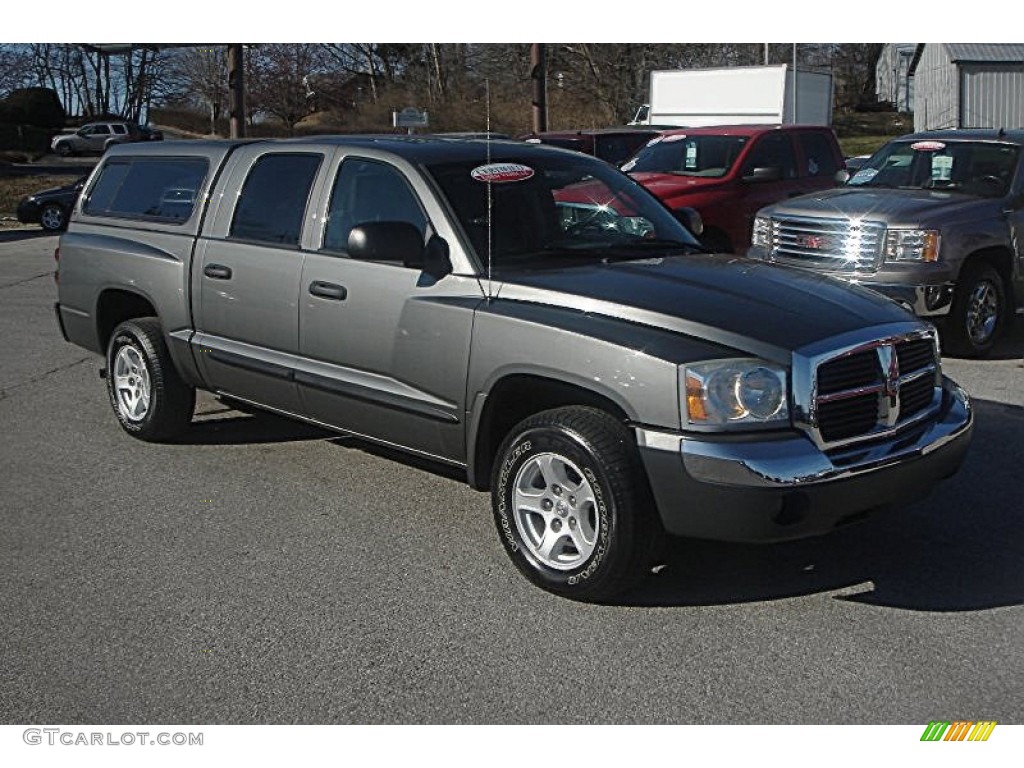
<point x="666" y="185"/>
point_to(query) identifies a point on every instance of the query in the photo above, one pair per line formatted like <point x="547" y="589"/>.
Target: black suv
<point x="934" y="220"/>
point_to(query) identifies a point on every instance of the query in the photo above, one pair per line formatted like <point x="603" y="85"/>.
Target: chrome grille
<point x="836" y="245"/>
<point x="874" y="390"/>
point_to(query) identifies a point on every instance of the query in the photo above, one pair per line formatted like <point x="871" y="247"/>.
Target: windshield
<point x="547" y="209"/>
<point x="980" y="168"/>
<point x="711" y="156"/>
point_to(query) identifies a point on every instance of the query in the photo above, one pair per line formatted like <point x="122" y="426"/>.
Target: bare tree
<point x="281" y="80"/>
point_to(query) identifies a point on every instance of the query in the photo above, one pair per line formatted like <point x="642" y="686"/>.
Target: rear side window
<point x="119" y="129"/>
<point x="818" y="157"/>
<point x="159" y="188"/>
<point x="773" y="150"/>
<point x="273" y="199"/>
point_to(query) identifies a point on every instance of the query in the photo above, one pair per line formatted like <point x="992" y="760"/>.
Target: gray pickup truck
<point x="933" y="220"/>
<point x="527" y="314"/>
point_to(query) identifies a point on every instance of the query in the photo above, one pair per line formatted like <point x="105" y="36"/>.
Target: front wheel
<point x="572" y="505"/>
<point x="149" y="398"/>
<point x="979" y="312"/>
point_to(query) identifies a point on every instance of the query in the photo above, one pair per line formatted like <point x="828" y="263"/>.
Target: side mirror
<point x="842" y="176"/>
<point x="768" y="173"/>
<point x="437" y="261"/>
<point x="386" y="241"/>
<point x="690" y="218"/>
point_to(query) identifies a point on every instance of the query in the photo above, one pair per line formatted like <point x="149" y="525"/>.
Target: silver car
<point x="92" y="137"/>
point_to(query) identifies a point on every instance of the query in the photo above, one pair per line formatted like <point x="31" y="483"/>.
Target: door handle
<point x="217" y="271"/>
<point x="328" y="290"/>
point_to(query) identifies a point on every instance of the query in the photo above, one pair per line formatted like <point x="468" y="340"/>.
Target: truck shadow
<point x="959" y="550"/>
<point x="14" y="235"/>
<point x="230" y="426"/>
<point x="1010" y="345"/>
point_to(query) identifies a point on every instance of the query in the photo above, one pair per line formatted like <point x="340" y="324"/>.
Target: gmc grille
<point x="835" y="245"/>
<point x="875" y="391"/>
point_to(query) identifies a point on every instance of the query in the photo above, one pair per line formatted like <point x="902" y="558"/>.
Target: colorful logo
<point x="501" y="173"/>
<point x="959" y="730"/>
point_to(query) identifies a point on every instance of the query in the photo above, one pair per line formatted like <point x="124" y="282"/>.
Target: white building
<point x="968" y="85"/>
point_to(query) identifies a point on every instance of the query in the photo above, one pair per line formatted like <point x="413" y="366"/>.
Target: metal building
<point x="968" y="85"/>
<point x="893" y="82"/>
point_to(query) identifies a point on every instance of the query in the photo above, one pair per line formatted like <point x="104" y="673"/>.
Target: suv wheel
<point x="978" y="313"/>
<point x="572" y="505"/>
<point x="64" y="149"/>
<point x="52" y="217"/>
<point x="150" y="400"/>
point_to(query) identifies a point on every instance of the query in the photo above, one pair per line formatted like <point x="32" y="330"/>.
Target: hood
<point x="673" y="184"/>
<point x="752" y="306"/>
<point x="907" y="207"/>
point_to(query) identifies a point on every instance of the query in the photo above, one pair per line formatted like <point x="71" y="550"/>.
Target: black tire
<point x="64" y="149"/>
<point x="53" y="217"/>
<point x="171" y="402"/>
<point x="622" y="520"/>
<point x="979" y="312"/>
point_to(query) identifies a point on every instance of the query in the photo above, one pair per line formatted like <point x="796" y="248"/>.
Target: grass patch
<point x="14" y="188"/>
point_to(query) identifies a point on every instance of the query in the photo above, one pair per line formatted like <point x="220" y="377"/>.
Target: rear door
<point x="247" y="272"/>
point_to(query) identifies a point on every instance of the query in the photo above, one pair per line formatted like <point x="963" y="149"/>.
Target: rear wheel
<point x="572" y="505"/>
<point x="52" y="217"/>
<point x="150" y="400"/>
<point x="979" y="312"/>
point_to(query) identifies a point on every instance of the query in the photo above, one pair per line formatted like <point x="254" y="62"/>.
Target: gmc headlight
<point x="912" y="245"/>
<point x="734" y="392"/>
<point x="762" y="232"/>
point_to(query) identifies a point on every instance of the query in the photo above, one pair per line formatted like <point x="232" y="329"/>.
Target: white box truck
<point x="691" y="98"/>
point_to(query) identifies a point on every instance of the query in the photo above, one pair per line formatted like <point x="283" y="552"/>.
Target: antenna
<point x="490" y="199"/>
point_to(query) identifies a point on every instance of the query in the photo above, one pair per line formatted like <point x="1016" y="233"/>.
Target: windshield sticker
<point x="863" y="176"/>
<point x="927" y="146"/>
<point x="501" y="173"/>
<point x="690" y="163"/>
<point x="942" y="167"/>
<point x="675" y="137"/>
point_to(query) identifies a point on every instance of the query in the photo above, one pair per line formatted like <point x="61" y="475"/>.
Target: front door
<point x="384" y="346"/>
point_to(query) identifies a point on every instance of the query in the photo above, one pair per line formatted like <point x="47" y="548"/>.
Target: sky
<point x="514" y="21"/>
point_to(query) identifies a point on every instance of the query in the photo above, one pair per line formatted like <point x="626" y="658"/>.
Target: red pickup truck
<point x="728" y="173"/>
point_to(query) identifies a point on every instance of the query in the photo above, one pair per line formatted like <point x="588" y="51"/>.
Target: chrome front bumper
<point x="933" y="300"/>
<point x="773" y="489"/>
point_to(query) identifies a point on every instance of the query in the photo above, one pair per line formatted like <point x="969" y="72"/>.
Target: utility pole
<point x="236" y="90"/>
<point x="794" y="84"/>
<point x="538" y="74"/>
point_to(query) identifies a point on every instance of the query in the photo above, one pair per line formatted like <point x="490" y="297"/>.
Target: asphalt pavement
<point x="261" y="571"/>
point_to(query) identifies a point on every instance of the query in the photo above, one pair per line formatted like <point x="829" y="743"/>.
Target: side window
<point x="818" y="157"/>
<point x="101" y="130"/>
<point x="163" y="188"/>
<point x="773" y="150"/>
<point x="119" y="129"/>
<point x="273" y="199"/>
<point x="365" y="191"/>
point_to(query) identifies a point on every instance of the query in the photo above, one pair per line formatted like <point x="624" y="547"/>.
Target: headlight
<point x="761" y="235"/>
<point x="740" y="392"/>
<point x="912" y="245"/>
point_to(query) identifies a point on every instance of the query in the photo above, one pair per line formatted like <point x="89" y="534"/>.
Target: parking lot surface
<point x="264" y="571"/>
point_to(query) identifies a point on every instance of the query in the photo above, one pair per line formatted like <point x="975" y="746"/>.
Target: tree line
<point x="355" y="86"/>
